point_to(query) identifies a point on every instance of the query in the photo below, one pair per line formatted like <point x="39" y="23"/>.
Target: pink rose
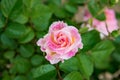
<point x="61" y="42"/>
<point x="104" y="27"/>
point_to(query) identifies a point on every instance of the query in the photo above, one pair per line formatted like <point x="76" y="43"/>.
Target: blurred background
<point x="23" y="22"/>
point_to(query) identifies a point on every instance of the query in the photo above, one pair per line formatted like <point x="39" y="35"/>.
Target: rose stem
<point x="58" y="72"/>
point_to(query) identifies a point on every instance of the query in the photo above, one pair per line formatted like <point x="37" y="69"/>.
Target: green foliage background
<point x="23" y="22"/>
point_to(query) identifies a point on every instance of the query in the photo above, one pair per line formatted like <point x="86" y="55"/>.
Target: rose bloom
<point x="104" y="27"/>
<point x="61" y="42"/>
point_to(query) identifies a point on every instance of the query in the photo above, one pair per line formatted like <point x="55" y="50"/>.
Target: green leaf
<point x="78" y="1"/>
<point x="70" y="8"/>
<point x="73" y="76"/>
<point x="11" y="7"/>
<point x="40" y="17"/>
<point x="58" y="11"/>
<point x="81" y="63"/>
<point x="31" y="3"/>
<point x="9" y="54"/>
<point x="116" y="55"/>
<point x="117" y="40"/>
<point x="101" y="52"/>
<point x="22" y="65"/>
<point x="104" y="2"/>
<point x="113" y="2"/>
<point x="40" y="34"/>
<point x="15" y="30"/>
<point x="30" y="76"/>
<point x="1" y="24"/>
<point x="13" y="69"/>
<point x="37" y="60"/>
<point x="21" y="18"/>
<point x="117" y="15"/>
<point x="20" y="78"/>
<point x="55" y="2"/>
<point x="6" y="76"/>
<point x="85" y="65"/>
<point x="14" y="10"/>
<point x="2" y="20"/>
<point x="7" y="42"/>
<point x="26" y="50"/>
<point x="44" y="72"/>
<point x="29" y="35"/>
<point x="115" y="33"/>
<point x="72" y="63"/>
<point x="96" y="10"/>
<point x="90" y="39"/>
<point x="83" y="29"/>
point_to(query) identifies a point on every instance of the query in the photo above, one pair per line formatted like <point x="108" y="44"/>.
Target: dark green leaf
<point x="96" y="10"/>
<point x="85" y="65"/>
<point x="101" y="52"/>
<point x="7" y="42"/>
<point x="29" y="35"/>
<point x="6" y="76"/>
<point x="71" y="63"/>
<point x="40" y="34"/>
<point x="56" y="2"/>
<point x="37" y="60"/>
<point x="15" y="30"/>
<point x="2" y="20"/>
<point x="11" y="7"/>
<point x="113" y="2"/>
<point x="117" y="15"/>
<point x="78" y="1"/>
<point x="9" y="54"/>
<point x="22" y="65"/>
<point x="40" y="17"/>
<point x="44" y="72"/>
<point x="90" y="39"/>
<point x="1" y="24"/>
<point x="117" y="40"/>
<point x="116" y="55"/>
<point x="26" y="50"/>
<point x="20" y="78"/>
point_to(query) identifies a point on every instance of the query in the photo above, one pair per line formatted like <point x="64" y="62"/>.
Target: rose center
<point x="60" y="39"/>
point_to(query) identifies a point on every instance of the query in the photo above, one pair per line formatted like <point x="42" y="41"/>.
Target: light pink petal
<point x="70" y="54"/>
<point x="112" y="25"/>
<point x="41" y="43"/>
<point x="54" y="45"/>
<point x="52" y="57"/>
<point x="111" y="20"/>
<point x="110" y="14"/>
<point x="76" y="42"/>
<point x="100" y="26"/>
<point x="57" y="26"/>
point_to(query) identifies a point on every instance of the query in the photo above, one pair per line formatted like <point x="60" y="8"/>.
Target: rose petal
<point x="57" y="26"/>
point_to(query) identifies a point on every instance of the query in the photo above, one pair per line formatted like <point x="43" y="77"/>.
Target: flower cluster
<point x="104" y="27"/>
<point x="62" y="41"/>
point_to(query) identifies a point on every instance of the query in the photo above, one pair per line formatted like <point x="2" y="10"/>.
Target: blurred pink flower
<point x="61" y="42"/>
<point x="104" y="27"/>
